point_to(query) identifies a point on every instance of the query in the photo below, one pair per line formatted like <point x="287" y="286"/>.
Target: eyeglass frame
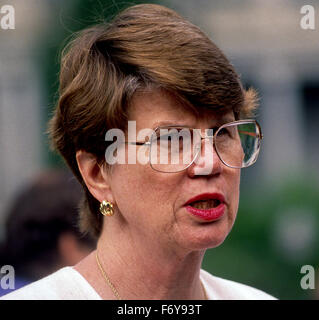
<point x="260" y="137"/>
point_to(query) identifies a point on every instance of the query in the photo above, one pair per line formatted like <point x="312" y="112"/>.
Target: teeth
<point x="205" y="204"/>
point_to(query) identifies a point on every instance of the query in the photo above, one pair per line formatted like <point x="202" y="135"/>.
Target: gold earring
<point x="106" y="208"/>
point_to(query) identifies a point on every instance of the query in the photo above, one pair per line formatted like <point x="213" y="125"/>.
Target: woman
<point x="153" y="219"/>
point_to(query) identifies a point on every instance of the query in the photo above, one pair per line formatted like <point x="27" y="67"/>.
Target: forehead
<point x="155" y="108"/>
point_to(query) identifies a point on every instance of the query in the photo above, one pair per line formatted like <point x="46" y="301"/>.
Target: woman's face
<point x="153" y="204"/>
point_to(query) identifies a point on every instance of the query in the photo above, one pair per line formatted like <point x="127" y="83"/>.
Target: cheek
<point x="233" y="184"/>
<point x="138" y="189"/>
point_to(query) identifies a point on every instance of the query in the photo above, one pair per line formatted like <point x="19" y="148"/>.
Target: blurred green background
<point x="276" y="230"/>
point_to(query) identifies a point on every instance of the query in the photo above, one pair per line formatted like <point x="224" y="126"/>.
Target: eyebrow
<point x="219" y="122"/>
<point x="222" y="121"/>
<point x="168" y="123"/>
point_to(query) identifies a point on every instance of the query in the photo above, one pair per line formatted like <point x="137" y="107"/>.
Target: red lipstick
<point x="209" y="214"/>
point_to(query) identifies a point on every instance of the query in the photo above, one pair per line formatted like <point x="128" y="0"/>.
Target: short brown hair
<point x="145" y="46"/>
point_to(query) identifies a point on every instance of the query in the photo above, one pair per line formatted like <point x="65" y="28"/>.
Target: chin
<point x="209" y="243"/>
<point x="198" y="234"/>
<point x="205" y="239"/>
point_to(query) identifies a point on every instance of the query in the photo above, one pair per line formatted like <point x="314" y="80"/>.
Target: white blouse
<point x="69" y="284"/>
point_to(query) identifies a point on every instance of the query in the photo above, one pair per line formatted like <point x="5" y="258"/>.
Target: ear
<point x="95" y="176"/>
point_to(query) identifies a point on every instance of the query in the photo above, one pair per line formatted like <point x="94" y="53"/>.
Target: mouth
<point x="208" y="206"/>
<point x="205" y="204"/>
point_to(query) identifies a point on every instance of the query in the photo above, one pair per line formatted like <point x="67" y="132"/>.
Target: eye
<point x="169" y="134"/>
<point x="223" y="131"/>
<point x="168" y="137"/>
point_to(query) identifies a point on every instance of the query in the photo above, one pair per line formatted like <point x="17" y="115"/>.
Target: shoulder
<point x="222" y="289"/>
<point x="64" y="284"/>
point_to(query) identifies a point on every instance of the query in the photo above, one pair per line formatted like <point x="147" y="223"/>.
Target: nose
<point x="207" y="162"/>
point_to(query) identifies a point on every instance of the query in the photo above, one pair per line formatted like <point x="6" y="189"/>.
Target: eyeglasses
<point x="175" y="148"/>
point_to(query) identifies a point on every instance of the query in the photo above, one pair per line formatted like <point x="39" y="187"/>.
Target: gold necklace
<point x="111" y="285"/>
<point x="108" y="281"/>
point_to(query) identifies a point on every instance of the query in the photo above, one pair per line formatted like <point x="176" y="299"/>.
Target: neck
<point x="141" y="269"/>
